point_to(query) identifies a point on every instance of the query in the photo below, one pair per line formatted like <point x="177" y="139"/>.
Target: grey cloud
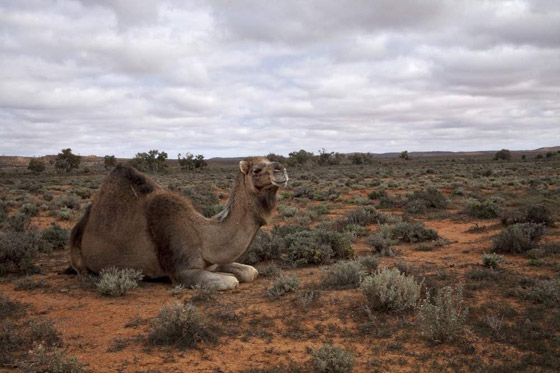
<point x="245" y="77"/>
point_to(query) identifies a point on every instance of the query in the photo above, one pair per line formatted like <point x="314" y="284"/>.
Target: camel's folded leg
<point x="204" y="279"/>
<point x="243" y="272"/>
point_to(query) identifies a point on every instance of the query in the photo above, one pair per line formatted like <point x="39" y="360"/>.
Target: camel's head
<point x="261" y="174"/>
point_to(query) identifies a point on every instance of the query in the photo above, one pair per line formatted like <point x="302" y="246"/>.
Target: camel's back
<point x="116" y="232"/>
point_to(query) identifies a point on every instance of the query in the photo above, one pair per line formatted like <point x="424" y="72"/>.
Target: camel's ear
<point x="244" y="167"/>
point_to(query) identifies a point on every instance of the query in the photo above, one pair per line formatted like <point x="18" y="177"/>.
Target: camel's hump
<point x="144" y="184"/>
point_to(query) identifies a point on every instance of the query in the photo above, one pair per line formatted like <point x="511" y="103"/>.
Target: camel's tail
<point x="76" y="242"/>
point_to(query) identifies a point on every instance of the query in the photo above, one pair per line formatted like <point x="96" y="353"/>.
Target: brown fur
<point x="134" y="223"/>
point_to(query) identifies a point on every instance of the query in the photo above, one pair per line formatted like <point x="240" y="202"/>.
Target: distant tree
<point x="109" y="161"/>
<point x="324" y="157"/>
<point x="276" y="158"/>
<point x="523" y="157"/>
<point x="36" y="166"/>
<point x="191" y="162"/>
<point x="540" y="156"/>
<point x="299" y="158"/>
<point x="361" y="158"/>
<point x="550" y="154"/>
<point x="150" y="161"/>
<point x="404" y="155"/>
<point x="66" y="161"/>
<point x="503" y="154"/>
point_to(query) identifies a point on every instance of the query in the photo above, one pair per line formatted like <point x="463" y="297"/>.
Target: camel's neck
<point x="233" y="230"/>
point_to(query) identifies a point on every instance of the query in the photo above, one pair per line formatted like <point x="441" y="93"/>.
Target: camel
<point x="134" y="223"/>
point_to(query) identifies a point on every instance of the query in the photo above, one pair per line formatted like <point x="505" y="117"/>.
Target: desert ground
<point x="469" y="247"/>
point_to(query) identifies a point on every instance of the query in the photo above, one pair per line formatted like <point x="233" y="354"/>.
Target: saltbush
<point x="346" y="274"/>
<point x="422" y="200"/>
<point x="18" y="251"/>
<point x="441" y="318"/>
<point x="482" y="209"/>
<point x="179" y="325"/>
<point x="491" y="260"/>
<point x="331" y="359"/>
<point x="283" y="285"/>
<point x="390" y="290"/>
<point x="518" y="238"/>
<point x="117" y="282"/>
<point x="412" y="232"/>
<point x="56" y="236"/>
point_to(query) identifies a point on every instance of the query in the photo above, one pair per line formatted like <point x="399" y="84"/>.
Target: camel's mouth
<point x="280" y="178"/>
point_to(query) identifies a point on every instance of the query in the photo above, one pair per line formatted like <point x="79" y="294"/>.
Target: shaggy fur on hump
<point x="136" y="178"/>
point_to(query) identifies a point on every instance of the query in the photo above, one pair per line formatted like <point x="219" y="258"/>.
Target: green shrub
<point x="3" y="212"/>
<point x="56" y="236"/>
<point x="518" y="238"/>
<point x="546" y="292"/>
<point x="482" y="209"/>
<point x="441" y="318"/>
<point x="117" y="282"/>
<point x="347" y="274"/>
<point x="70" y="202"/>
<point x="179" y="325"/>
<point x="364" y="216"/>
<point x="390" y="290"/>
<point x="540" y="214"/>
<point x="412" y="232"/>
<point x="491" y="260"/>
<point x="316" y="247"/>
<point x="18" y="251"/>
<point x="30" y="209"/>
<point x="288" y="211"/>
<point x="18" y="221"/>
<point x="331" y="359"/>
<point x="377" y="194"/>
<point x="264" y="247"/>
<point x="381" y="242"/>
<point x="10" y="308"/>
<point x="431" y="198"/>
<point x="45" y="332"/>
<point x="283" y="285"/>
<point x="47" y="360"/>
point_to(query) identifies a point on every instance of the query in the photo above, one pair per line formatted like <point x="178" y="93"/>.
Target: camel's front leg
<point x="199" y="277"/>
<point x="243" y="272"/>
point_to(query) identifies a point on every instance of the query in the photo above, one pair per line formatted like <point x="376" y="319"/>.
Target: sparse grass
<point x="117" y="282"/>
<point x="179" y="325"/>
<point x="28" y="283"/>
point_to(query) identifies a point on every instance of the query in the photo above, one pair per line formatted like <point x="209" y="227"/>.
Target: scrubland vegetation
<point x="370" y="264"/>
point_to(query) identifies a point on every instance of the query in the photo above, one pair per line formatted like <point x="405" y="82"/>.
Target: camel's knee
<point x="204" y="279"/>
<point x="243" y="272"/>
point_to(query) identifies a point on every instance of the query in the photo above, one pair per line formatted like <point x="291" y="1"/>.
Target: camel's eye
<point x="257" y="171"/>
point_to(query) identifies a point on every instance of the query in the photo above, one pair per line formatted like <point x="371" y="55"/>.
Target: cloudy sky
<point x="234" y="78"/>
